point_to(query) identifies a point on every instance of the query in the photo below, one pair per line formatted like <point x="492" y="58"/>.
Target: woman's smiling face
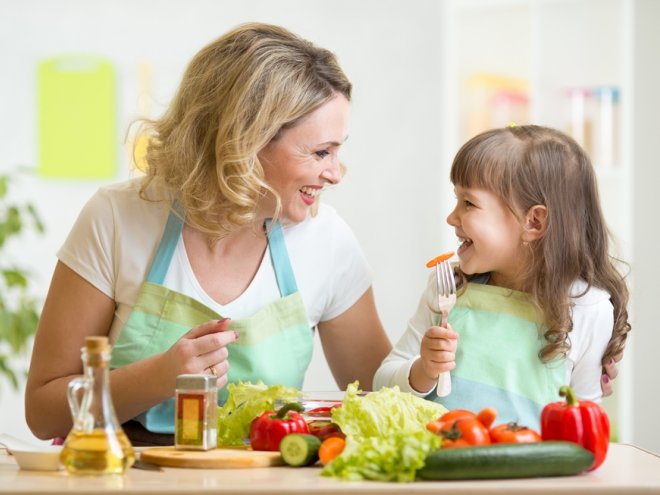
<point x="304" y="159"/>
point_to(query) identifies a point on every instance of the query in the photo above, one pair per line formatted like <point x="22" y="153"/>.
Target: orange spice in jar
<point x="196" y="424"/>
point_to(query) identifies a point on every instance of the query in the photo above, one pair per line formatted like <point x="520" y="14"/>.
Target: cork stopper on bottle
<point x="96" y="345"/>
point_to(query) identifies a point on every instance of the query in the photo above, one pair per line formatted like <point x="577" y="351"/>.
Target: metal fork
<point x="446" y="285"/>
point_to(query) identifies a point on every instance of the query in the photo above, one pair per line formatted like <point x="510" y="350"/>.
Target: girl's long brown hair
<point x="533" y="165"/>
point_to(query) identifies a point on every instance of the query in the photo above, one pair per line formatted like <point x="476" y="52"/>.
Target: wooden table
<point x="627" y="470"/>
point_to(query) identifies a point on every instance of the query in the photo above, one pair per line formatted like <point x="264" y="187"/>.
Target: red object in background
<point x="322" y="429"/>
<point x="268" y="430"/>
<point x="322" y="412"/>
<point x="583" y="422"/>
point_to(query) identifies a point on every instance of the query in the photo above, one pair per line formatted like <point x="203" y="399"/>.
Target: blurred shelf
<point x="554" y="45"/>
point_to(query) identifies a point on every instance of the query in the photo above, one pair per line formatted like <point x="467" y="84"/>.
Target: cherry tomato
<point x="455" y="414"/>
<point x="447" y="419"/>
<point x="487" y="416"/>
<point x="513" y="433"/>
<point x="451" y="443"/>
<point x="464" y="432"/>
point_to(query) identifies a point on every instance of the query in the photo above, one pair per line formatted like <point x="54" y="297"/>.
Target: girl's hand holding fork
<point x="437" y="355"/>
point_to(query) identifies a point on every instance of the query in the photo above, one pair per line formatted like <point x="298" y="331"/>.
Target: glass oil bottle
<point x="96" y="444"/>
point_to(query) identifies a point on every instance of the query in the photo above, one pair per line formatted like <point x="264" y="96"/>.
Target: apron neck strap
<point x="279" y="255"/>
<point x="167" y="245"/>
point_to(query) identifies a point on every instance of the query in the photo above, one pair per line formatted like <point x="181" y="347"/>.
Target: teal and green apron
<point x="497" y="361"/>
<point x="275" y="344"/>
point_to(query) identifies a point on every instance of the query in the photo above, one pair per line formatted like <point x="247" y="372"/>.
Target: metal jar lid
<point x="196" y="382"/>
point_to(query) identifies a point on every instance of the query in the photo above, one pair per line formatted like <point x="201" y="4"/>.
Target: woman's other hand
<point x="202" y="350"/>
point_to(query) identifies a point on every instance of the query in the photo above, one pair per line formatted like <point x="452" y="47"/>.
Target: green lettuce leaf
<point x="386" y="435"/>
<point x="385" y="412"/>
<point x="391" y="458"/>
<point x="245" y="402"/>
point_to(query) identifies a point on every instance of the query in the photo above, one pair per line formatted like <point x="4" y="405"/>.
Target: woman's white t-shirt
<point x="117" y="233"/>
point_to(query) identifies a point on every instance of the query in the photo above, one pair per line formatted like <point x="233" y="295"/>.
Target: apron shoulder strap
<point x="286" y="279"/>
<point x="168" y="242"/>
<point x="279" y="255"/>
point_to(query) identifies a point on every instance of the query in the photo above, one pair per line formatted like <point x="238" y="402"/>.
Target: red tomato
<point x="464" y="432"/>
<point x="513" y="433"/>
<point x="487" y="416"/>
<point x="447" y="419"/>
<point x="450" y="443"/>
<point x="455" y="414"/>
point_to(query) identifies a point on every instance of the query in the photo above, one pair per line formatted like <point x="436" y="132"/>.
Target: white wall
<point x="390" y="49"/>
<point x="646" y="268"/>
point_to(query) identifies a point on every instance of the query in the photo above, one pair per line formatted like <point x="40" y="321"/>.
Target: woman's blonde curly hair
<point x="237" y="94"/>
<point x="533" y="165"/>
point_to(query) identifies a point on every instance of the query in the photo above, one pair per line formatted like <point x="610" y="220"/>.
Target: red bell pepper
<point x="267" y="430"/>
<point x="583" y="422"/>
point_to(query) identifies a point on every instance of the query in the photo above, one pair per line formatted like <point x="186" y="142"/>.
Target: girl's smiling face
<point x="490" y="236"/>
<point x="304" y="159"/>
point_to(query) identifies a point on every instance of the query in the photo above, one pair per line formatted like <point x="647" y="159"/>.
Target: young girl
<point x="540" y="302"/>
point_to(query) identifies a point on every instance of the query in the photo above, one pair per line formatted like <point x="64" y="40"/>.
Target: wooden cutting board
<point x="226" y="458"/>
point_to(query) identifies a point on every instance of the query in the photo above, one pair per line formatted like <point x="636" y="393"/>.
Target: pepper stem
<point x="291" y="406"/>
<point x="566" y="391"/>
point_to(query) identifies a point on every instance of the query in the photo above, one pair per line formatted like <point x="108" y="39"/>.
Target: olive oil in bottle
<point x="96" y="443"/>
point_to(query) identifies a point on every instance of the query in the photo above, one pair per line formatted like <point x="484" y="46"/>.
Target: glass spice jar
<point x="196" y="424"/>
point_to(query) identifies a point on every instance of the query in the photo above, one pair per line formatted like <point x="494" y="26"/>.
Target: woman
<point x="226" y="224"/>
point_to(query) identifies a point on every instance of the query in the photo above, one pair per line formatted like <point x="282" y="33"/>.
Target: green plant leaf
<point x="15" y="278"/>
<point x="7" y="371"/>
<point x="13" y="221"/>
<point x="36" y="218"/>
<point x="19" y="314"/>
<point x="5" y="323"/>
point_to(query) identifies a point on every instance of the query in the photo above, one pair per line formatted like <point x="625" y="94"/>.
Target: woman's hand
<point x="437" y="355"/>
<point x="75" y="309"/>
<point x="202" y="350"/>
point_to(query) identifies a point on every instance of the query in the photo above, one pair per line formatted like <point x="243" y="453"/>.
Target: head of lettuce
<point x="386" y="435"/>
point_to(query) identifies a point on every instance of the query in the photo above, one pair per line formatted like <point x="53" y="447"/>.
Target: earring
<point x="525" y="243"/>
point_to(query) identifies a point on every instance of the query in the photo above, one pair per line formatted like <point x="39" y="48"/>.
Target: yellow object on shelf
<point x="76" y="117"/>
<point x="494" y="100"/>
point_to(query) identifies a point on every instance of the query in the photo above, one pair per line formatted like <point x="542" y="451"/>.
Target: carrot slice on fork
<point x="439" y="259"/>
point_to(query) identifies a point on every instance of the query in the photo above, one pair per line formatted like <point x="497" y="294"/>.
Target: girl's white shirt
<point x="117" y="233"/>
<point x="593" y="323"/>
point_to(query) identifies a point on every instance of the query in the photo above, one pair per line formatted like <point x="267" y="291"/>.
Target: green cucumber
<point x="506" y="460"/>
<point x="300" y="449"/>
